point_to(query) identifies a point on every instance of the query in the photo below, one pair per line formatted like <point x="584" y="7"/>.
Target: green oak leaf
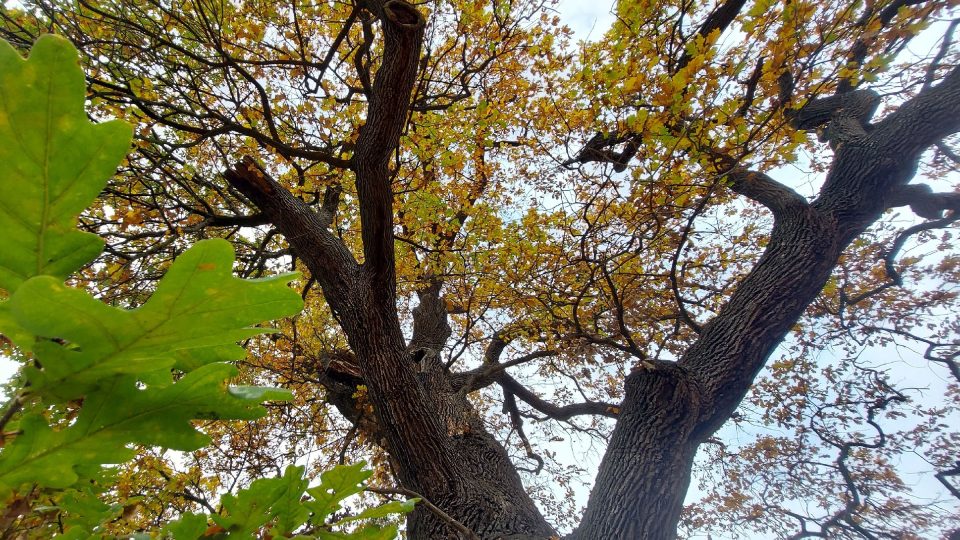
<point x="55" y="162"/>
<point x="290" y="512"/>
<point x="384" y="510"/>
<point x="10" y="328"/>
<point x="265" y="500"/>
<point x="83" y="512"/>
<point x="46" y="457"/>
<point x="278" y="504"/>
<point x="336" y="485"/>
<point x="188" y="527"/>
<point x="139" y="377"/>
<point x="370" y="532"/>
<point x="197" y="314"/>
<point x="117" y="415"/>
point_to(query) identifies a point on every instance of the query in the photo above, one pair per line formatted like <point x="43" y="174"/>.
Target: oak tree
<point x="509" y="237"/>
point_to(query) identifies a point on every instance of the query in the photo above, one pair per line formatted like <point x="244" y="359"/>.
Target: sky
<point x="588" y="19"/>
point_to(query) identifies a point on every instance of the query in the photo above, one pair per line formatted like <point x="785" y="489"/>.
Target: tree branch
<point x="860" y="48"/>
<point x="556" y="412"/>
<point x="889" y="259"/>
<point x="516" y="420"/>
<point x="237" y="221"/>
<point x="763" y="189"/>
<point x="923" y="201"/>
<point x="390" y="93"/>
<point x="720" y="19"/>
<point x="329" y="260"/>
<point x="922" y="121"/>
<point x="485" y="375"/>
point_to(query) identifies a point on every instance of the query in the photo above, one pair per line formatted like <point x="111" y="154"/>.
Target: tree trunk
<point x="671" y="408"/>
<point x="644" y="474"/>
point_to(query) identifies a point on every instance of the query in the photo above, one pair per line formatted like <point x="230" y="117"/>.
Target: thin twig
<point x="445" y="517"/>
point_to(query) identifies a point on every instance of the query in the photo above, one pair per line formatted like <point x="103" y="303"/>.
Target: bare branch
<point x="235" y="221"/>
<point x="945" y="44"/>
<point x="556" y="412"/>
<point x="510" y="407"/>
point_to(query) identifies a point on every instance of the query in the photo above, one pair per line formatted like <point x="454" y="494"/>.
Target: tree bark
<point x="437" y="444"/>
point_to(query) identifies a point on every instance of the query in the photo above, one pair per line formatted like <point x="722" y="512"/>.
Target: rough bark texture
<point x="645" y="472"/>
<point x="438" y="445"/>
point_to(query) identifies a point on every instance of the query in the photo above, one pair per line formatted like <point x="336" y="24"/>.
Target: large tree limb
<point x="923" y="201"/>
<point x="329" y="260"/>
<point x="763" y="189"/>
<point x="679" y="406"/>
<point x="390" y="93"/>
<point x="807" y="240"/>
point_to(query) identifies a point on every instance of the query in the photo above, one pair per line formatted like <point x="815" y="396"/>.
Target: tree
<point x="483" y="206"/>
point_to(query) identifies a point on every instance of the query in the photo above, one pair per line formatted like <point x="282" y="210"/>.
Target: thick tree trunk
<point x="671" y="408"/>
<point x="644" y="475"/>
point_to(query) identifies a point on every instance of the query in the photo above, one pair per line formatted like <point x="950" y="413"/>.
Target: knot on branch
<point x="403" y="14"/>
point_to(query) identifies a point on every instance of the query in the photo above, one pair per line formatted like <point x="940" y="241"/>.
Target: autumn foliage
<point x="712" y="245"/>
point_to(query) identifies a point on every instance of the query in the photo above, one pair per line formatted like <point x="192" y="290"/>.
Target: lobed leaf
<point x="117" y="415"/>
<point x="197" y="314"/>
<point x="336" y="485"/>
<point x="278" y="505"/>
<point x="55" y="162"/>
<point x="267" y="499"/>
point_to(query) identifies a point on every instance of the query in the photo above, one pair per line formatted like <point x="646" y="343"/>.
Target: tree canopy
<point x="724" y="213"/>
